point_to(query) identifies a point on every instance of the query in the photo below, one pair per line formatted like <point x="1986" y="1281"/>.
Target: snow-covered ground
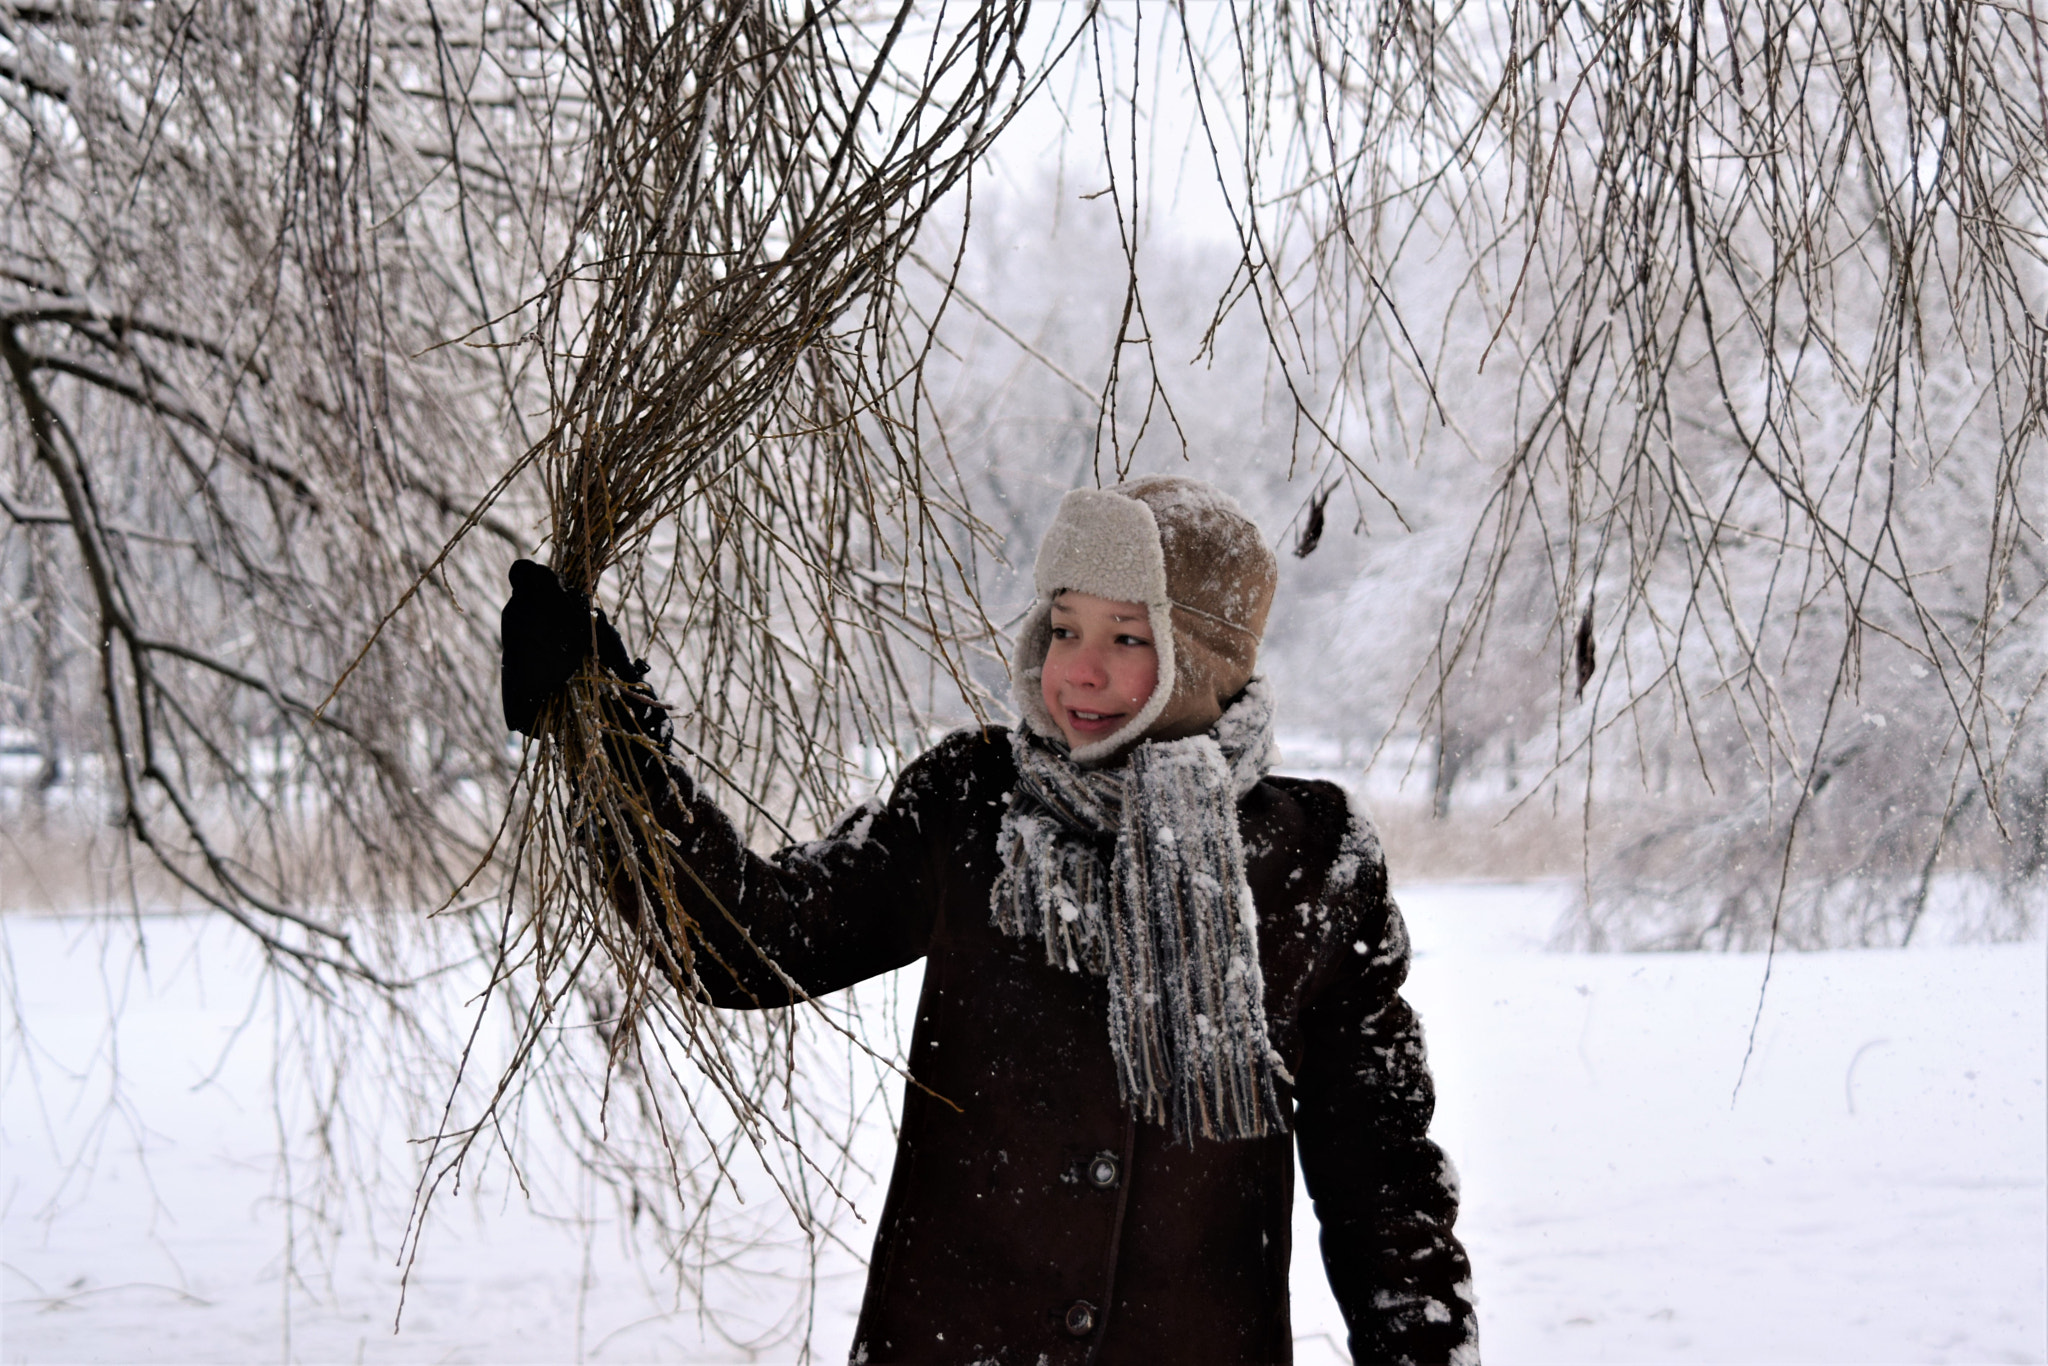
<point x="1877" y="1191"/>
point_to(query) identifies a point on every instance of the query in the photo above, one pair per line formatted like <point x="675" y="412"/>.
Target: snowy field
<point x="1874" y="1193"/>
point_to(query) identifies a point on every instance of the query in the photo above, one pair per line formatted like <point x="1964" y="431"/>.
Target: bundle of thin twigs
<point x="735" y="455"/>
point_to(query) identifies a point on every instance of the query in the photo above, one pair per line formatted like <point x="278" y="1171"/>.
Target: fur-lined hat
<point x="1186" y="551"/>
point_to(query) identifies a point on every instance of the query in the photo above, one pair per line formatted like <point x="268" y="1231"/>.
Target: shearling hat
<point x="1186" y="551"/>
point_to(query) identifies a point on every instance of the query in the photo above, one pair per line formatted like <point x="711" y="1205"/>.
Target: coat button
<point x="1102" y="1171"/>
<point x="1080" y="1318"/>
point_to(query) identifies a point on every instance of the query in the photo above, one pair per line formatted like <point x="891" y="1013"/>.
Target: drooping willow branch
<point x="735" y="432"/>
<point x="1747" y="306"/>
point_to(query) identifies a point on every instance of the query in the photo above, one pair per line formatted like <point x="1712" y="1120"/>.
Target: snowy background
<point x="1806" y="560"/>
<point x="1873" y="1193"/>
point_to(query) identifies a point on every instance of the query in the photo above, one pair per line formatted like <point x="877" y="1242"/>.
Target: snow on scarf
<point x="1169" y="921"/>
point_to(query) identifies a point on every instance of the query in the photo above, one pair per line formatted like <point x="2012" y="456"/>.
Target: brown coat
<point x="1038" y="1222"/>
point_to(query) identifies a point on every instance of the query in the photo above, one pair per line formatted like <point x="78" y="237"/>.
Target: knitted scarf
<point x="1136" y="874"/>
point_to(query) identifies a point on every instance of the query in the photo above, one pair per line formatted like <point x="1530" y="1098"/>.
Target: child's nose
<point x="1088" y="669"/>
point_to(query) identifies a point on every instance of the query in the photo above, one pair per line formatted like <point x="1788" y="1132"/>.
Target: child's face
<point x="1100" y="668"/>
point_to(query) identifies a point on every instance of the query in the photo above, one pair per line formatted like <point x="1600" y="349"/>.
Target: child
<point x="1151" y="970"/>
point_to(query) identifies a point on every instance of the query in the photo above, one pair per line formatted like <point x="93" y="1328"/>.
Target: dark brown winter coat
<point x="1030" y="1218"/>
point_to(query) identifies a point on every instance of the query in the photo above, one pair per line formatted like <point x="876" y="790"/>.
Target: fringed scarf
<point x="1137" y="874"/>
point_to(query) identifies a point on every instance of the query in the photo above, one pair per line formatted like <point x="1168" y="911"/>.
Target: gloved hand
<point x="548" y="631"/>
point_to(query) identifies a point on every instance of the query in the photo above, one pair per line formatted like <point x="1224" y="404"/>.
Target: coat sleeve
<point x="1385" y="1195"/>
<point x="812" y="917"/>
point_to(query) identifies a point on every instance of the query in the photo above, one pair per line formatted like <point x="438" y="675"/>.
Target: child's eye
<point x="1133" y="640"/>
<point x="1061" y="633"/>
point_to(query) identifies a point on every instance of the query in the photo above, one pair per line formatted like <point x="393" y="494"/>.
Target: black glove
<point x="548" y="630"/>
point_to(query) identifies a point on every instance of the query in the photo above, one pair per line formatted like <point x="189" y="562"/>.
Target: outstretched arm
<point x="809" y="919"/>
<point x="742" y="930"/>
<point x="1386" y="1196"/>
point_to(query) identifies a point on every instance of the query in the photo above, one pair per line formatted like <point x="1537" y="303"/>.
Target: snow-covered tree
<point x="1686" y="361"/>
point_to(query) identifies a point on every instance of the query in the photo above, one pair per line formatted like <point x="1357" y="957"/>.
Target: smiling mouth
<point x="1093" y="720"/>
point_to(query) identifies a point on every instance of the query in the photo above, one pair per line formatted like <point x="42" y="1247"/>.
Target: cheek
<point x="1049" y="683"/>
<point x="1138" y="676"/>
